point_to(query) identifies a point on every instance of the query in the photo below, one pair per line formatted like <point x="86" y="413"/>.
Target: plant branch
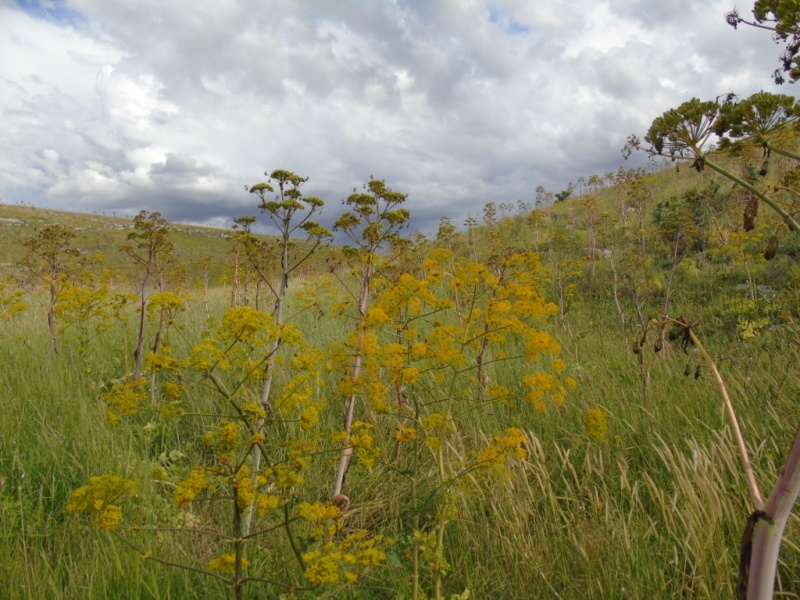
<point x="748" y="468"/>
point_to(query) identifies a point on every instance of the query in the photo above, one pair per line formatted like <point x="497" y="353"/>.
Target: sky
<point x="176" y="106"/>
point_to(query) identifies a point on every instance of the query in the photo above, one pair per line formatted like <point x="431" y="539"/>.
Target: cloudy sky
<point x="175" y="105"/>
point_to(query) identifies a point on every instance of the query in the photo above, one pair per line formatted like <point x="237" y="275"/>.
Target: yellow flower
<point x="434" y="421"/>
<point x="507" y="444"/>
<point x="172" y="390"/>
<point x="252" y="411"/>
<point x="124" y="398"/>
<point x="405" y="434"/>
<point x="225" y="563"/>
<point x="243" y="323"/>
<point x="186" y="491"/>
<point x="266" y="503"/>
<point x="410" y="375"/>
<point x="596" y="422"/>
<point x="105" y="488"/>
<point x="171" y="410"/>
<point x="110" y="518"/>
<point x="318" y="511"/>
<point x="309" y="417"/>
<point x="102" y="495"/>
<point x="324" y="570"/>
<point x="224" y="438"/>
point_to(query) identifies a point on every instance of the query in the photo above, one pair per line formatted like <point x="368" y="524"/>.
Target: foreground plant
<point x="273" y="496"/>
<point x="291" y="213"/>
<point x="764" y="121"/>
<point x="372" y="223"/>
<point x="441" y="355"/>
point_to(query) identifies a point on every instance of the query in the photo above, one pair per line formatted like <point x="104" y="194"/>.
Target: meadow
<point x="527" y="419"/>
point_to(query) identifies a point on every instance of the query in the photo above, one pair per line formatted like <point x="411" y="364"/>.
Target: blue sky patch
<point x="50" y="10"/>
<point x="501" y="16"/>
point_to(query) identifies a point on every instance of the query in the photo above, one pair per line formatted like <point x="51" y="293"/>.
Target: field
<point x="506" y="441"/>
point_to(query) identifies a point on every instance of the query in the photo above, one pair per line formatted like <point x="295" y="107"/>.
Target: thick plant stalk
<point x="762" y="538"/>
<point x="347" y="450"/>
<point x="268" y="375"/>
<point x="769" y="527"/>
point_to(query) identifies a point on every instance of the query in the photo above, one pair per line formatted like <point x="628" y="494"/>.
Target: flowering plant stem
<point x="761" y="541"/>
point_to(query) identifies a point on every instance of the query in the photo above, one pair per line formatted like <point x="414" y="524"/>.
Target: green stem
<point x="769" y="201"/>
<point x="298" y="553"/>
<point x="785" y="153"/>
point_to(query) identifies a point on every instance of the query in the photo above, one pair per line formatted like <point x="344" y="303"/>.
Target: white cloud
<point x="174" y="106"/>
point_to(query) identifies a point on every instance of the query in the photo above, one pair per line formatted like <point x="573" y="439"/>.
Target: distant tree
<point x="51" y="259"/>
<point x="543" y="197"/>
<point x="241" y="238"/>
<point x="505" y="209"/>
<point x="471" y="223"/>
<point x="564" y="194"/>
<point x="595" y="183"/>
<point x="523" y="208"/>
<point x="150" y="248"/>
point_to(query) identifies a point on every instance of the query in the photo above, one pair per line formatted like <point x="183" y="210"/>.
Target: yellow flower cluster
<point x="225" y="563"/>
<point x="436" y="426"/>
<point x="445" y="347"/>
<point x="596" y="422"/>
<point x="252" y="411"/>
<point x="543" y="386"/>
<point x="361" y="439"/>
<point x="375" y="316"/>
<point x="110" y="517"/>
<point x="377" y="394"/>
<point x="266" y="503"/>
<point x="124" y="398"/>
<point x="206" y="355"/>
<point x="172" y="390"/>
<point x="223" y="438"/>
<point x="89" y="302"/>
<point x="162" y="362"/>
<point x="172" y="410"/>
<point x="509" y="444"/>
<point x="244" y="323"/>
<point x="10" y="301"/>
<point x="318" y="511"/>
<point x="309" y="417"/>
<point x="540" y="342"/>
<point x="287" y="477"/>
<point x="102" y="495"/>
<point x="404" y="434"/>
<point x="245" y="493"/>
<point x="187" y="490"/>
<point x="166" y="302"/>
<point x="435" y="421"/>
<point x="334" y="562"/>
<point x="409" y="295"/>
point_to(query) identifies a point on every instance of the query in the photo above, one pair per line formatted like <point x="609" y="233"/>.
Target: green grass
<point x="655" y="510"/>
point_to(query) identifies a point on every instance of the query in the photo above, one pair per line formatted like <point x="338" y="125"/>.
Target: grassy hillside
<point x="100" y="237"/>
